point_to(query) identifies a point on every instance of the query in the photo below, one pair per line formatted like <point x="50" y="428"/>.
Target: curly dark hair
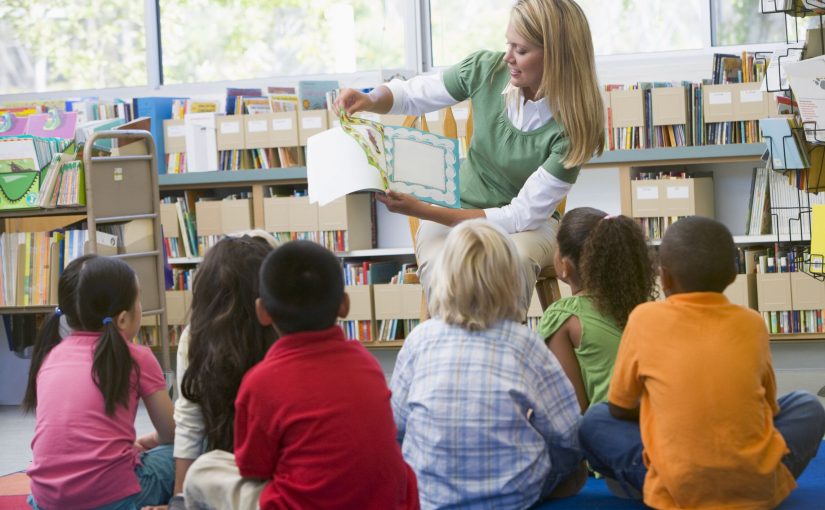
<point x="225" y="337"/>
<point x="612" y="259"/>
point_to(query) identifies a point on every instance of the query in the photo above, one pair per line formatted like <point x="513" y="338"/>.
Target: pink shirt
<point x="82" y="457"/>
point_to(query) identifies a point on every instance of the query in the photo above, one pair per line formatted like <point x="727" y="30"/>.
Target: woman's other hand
<point x="401" y="203"/>
<point x="351" y="101"/>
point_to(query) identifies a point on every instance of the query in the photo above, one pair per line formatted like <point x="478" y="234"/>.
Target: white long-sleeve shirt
<point x="540" y="194"/>
<point x="190" y="430"/>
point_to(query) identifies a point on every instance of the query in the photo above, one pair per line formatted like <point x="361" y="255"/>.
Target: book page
<point x="337" y="166"/>
<point x="423" y="164"/>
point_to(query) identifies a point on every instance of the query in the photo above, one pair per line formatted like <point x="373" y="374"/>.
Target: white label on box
<point x="750" y="96"/>
<point x="229" y="128"/>
<point x="432" y="116"/>
<point x="256" y="126"/>
<point x="370" y="116"/>
<point x="647" y="193"/>
<point x="719" y="98"/>
<point x="678" y="192"/>
<point x="281" y="124"/>
<point x="461" y="113"/>
<point x="311" y="123"/>
<point x="176" y="131"/>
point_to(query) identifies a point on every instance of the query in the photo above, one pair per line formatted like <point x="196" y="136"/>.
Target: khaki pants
<point x="214" y="482"/>
<point x="536" y="248"/>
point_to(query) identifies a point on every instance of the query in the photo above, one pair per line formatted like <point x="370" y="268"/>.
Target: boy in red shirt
<point x="313" y="422"/>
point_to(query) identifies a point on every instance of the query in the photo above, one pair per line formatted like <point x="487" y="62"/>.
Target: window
<point x="209" y="40"/>
<point x="73" y="44"/>
<point x="740" y="22"/>
<point x="460" y="27"/>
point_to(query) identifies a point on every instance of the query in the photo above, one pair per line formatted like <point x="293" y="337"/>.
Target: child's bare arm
<point x="562" y="344"/>
<point x="159" y="406"/>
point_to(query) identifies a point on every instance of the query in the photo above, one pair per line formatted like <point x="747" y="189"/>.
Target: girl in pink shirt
<point x="85" y="389"/>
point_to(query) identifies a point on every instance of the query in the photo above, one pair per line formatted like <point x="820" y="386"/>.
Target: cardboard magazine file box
<point x="751" y="103"/>
<point x="742" y="291"/>
<point x="388" y="301"/>
<point x="397" y="301"/>
<point x="256" y="130"/>
<point x="230" y="132"/>
<point x="807" y="293"/>
<point x="717" y="103"/>
<point x="311" y="122"/>
<point x="668" y="105"/>
<point x="686" y="197"/>
<point x="236" y="215"/>
<point x="352" y="214"/>
<point x="646" y="198"/>
<point x="627" y="108"/>
<point x="208" y="218"/>
<point x="283" y="129"/>
<point x="174" y="136"/>
<point x="176" y="307"/>
<point x="360" y="303"/>
<point x="773" y="292"/>
<point x="303" y="216"/>
<point x="411" y="294"/>
<point x="276" y="214"/>
<point x="169" y="220"/>
<point x="138" y="236"/>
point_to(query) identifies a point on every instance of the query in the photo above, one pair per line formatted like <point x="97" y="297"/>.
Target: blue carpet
<point x="807" y="496"/>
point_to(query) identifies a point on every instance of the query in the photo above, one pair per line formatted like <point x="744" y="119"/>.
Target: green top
<point x="500" y="157"/>
<point x="599" y="343"/>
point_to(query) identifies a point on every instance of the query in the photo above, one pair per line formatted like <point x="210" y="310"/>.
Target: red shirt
<point x="314" y="418"/>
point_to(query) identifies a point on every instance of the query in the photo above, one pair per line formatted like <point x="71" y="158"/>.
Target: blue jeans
<point x="613" y="447"/>
<point x="156" y="475"/>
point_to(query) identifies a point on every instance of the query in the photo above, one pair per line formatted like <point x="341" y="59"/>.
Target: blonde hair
<point x="478" y="277"/>
<point x="569" y="79"/>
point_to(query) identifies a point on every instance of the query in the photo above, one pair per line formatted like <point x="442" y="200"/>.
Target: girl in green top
<point x="537" y="117"/>
<point x="608" y="266"/>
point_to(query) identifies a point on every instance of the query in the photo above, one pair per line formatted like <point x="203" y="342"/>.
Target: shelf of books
<point x="730" y="153"/>
<point x="195" y="180"/>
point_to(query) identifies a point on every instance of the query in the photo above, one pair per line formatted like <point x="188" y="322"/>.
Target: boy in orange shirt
<point x="696" y="373"/>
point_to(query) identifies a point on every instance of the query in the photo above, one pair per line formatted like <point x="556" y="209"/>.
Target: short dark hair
<point x="301" y="287"/>
<point x="699" y="254"/>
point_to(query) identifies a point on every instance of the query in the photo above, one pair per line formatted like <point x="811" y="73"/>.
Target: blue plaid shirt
<point x="484" y="418"/>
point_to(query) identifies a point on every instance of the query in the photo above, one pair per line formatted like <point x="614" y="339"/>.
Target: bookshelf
<point x="255" y="183"/>
<point x="119" y="189"/>
<point x="732" y="169"/>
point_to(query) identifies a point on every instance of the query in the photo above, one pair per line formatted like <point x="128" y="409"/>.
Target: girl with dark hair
<point x="85" y="390"/>
<point x="608" y="266"/>
<point x="222" y="342"/>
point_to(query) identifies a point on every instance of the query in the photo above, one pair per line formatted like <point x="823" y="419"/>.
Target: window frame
<point x="418" y="59"/>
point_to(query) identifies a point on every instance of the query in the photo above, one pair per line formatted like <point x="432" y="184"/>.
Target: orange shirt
<point x="701" y="369"/>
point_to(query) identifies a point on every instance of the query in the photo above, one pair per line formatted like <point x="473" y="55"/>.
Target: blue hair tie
<point x="107" y="320"/>
<point x="58" y="311"/>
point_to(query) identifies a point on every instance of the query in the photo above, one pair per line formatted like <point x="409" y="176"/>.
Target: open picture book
<point x="364" y="155"/>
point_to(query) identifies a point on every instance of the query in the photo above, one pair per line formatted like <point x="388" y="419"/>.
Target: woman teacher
<point x="537" y="117"/>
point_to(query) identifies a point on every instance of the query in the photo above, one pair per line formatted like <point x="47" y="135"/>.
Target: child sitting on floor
<point x="221" y="343"/>
<point x="485" y="414"/>
<point x="313" y="423"/>
<point x="607" y="264"/>
<point x="695" y="371"/>
<point x="85" y="389"/>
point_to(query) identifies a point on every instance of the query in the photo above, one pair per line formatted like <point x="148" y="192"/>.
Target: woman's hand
<point x="351" y="101"/>
<point x="401" y="203"/>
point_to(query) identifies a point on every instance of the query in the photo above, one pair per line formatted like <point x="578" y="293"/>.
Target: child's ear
<point x="122" y="320"/>
<point x="343" y="308"/>
<point x="667" y="280"/>
<point x="263" y="316"/>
